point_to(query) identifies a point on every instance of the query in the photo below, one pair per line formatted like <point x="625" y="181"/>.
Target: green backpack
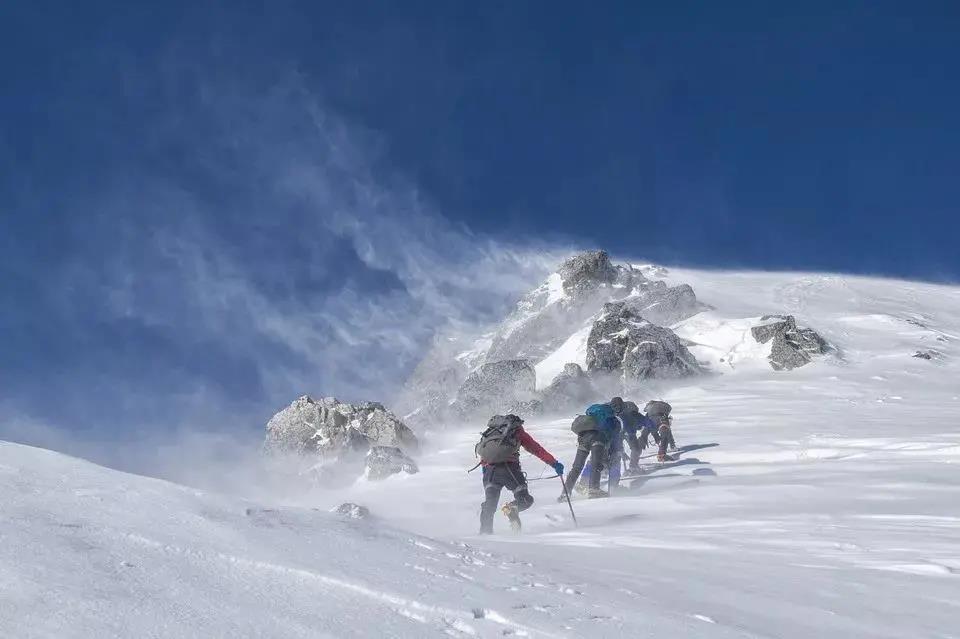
<point x="500" y="442"/>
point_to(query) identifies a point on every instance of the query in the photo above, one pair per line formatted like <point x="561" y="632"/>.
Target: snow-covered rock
<point x="545" y="318"/>
<point x="572" y="387"/>
<point x="330" y="429"/>
<point x="352" y="511"/>
<point x="503" y="387"/>
<point x="623" y="343"/>
<point x="665" y="305"/>
<point x="548" y="328"/>
<point x="587" y="271"/>
<point x="792" y="346"/>
<point x="384" y="461"/>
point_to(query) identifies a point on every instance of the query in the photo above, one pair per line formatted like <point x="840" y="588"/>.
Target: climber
<point x="599" y="438"/>
<point x="635" y="422"/>
<point x="499" y="452"/>
<point x="659" y="413"/>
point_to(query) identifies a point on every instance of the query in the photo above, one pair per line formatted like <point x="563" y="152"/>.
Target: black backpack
<point x="500" y="442"/>
<point x="584" y="423"/>
<point x="630" y="416"/>
<point x="658" y="411"/>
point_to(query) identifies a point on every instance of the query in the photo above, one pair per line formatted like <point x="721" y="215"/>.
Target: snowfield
<point x="819" y="502"/>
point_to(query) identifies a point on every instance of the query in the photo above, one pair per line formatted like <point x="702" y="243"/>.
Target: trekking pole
<point x="566" y="494"/>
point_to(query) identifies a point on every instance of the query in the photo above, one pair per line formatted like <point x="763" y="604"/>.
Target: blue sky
<point x="209" y="208"/>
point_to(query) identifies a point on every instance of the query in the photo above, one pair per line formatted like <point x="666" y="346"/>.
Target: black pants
<point x="645" y="433"/>
<point x="589" y="444"/>
<point x="638" y="442"/>
<point x="666" y="438"/>
<point x="635" y="447"/>
<point x="495" y="479"/>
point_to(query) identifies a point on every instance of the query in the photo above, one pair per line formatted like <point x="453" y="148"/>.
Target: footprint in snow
<point x="456" y="627"/>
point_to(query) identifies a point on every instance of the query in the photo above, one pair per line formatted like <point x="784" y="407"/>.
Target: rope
<point x="543" y="478"/>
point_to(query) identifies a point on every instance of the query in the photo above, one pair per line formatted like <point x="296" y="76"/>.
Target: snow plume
<point x="249" y="247"/>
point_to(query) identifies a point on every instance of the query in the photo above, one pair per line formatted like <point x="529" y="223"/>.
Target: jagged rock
<point x="929" y="354"/>
<point x="351" y="510"/>
<point x="540" y="323"/>
<point x="331" y="429"/>
<point x="383" y="461"/>
<point x="503" y="387"/>
<point x="663" y="305"/>
<point x="622" y="342"/>
<point x="587" y="270"/>
<point x="653" y="271"/>
<point x="542" y="319"/>
<point x="792" y="346"/>
<point x="572" y="387"/>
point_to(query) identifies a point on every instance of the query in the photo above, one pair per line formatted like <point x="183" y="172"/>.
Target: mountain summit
<point x="596" y="328"/>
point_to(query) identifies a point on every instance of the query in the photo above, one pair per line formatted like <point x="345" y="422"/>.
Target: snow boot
<point x="597" y="493"/>
<point x="510" y="511"/>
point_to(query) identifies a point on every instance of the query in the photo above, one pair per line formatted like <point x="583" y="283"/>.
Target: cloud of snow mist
<point x="351" y="271"/>
<point x="255" y="247"/>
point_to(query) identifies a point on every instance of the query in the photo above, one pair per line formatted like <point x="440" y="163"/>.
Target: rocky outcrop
<point x="443" y="388"/>
<point x="502" y="387"/>
<point x="663" y="305"/>
<point x="328" y="430"/>
<point x="352" y="511"/>
<point x="572" y="387"/>
<point x="587" y="271"/>
<point x="929" y="354"/>
<point x="541" y="319"/>
<point x="622" y="342"/>
<point x="384" y="461"/>
<point x="792" y="346"/>
<point x="583" y="284"/>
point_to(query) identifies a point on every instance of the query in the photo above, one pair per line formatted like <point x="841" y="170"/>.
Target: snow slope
<point x="572" y="351"/>
<point x="822" y="504"/>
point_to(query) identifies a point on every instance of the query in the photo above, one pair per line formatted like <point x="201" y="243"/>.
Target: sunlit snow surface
<point x="828" y="508"/>
<point x="572" y="351"/>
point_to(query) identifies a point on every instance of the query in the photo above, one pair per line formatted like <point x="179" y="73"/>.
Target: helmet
<point x="617" y="405"/>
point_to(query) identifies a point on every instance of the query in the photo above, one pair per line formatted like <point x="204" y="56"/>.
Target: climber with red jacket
<point x="499" y="452"/>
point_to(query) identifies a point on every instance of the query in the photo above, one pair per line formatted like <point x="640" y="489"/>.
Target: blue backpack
<point x="604" y="416"/>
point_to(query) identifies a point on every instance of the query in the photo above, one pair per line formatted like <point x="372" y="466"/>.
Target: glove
<point x="557" y="466"/>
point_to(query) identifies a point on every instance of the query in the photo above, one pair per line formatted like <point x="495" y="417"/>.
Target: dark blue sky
<point x="200" y="201"/>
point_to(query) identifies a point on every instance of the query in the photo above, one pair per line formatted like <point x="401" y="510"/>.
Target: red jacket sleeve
<point x="531" y="446"/>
